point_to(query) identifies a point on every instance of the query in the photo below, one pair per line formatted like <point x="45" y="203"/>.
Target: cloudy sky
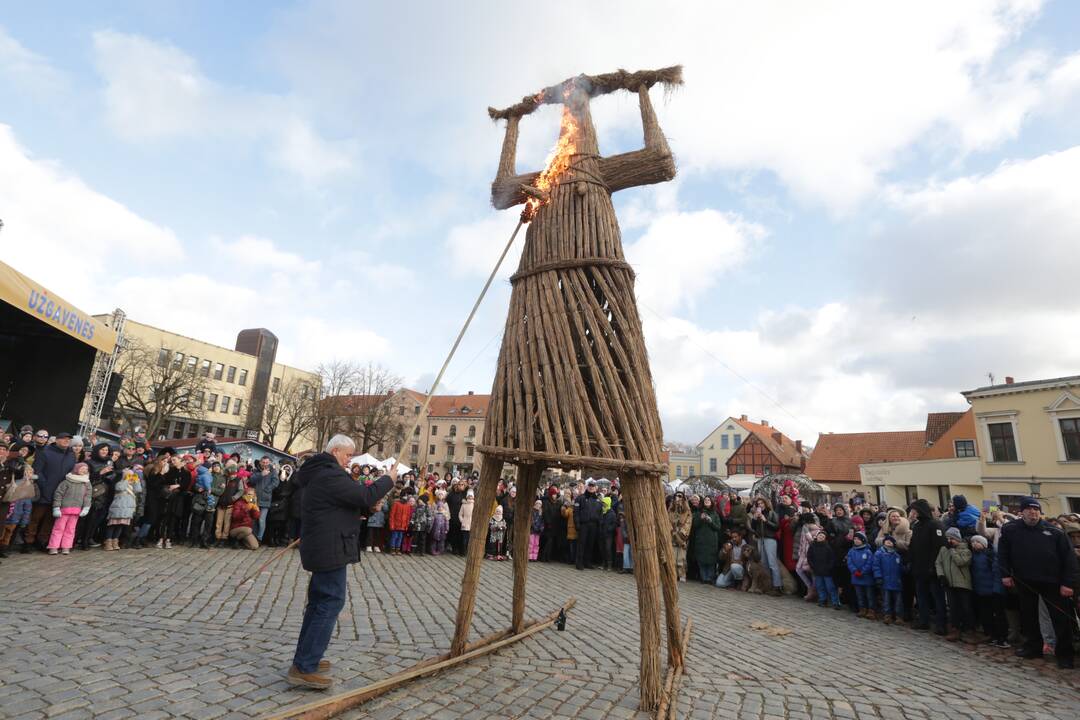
<point x="878" y="203"/>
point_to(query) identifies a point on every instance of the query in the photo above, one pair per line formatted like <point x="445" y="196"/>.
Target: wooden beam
<point x="336" y="704"/>
<point x="591" y="85"/>
<point x="484" y="498"/>
<point x="522" y="526"/>
<point x="673" y="680"/>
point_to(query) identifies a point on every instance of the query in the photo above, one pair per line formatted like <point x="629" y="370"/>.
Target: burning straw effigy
<point x="573" y="387"/>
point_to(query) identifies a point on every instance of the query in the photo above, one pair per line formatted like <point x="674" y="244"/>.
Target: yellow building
<point x="239" y="383"/>
<point x="682" y="465"/>
<point x="719" y="445"/>
<point x="1030" y="435"/>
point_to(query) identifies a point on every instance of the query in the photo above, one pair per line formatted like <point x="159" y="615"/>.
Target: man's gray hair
<point x="340" y="441"/>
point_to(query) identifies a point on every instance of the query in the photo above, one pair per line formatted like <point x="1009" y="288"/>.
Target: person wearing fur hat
<point x="122" y="509"/>
<point x="988" y="590"/>
<point x="496" y="541"/>
<point x="71" y="500"/>
<point x="465" y="515"/>
<point x="440" y="522"/>
<point x="888" y="577"/>
<point x="860" y="562"/>
<point x="953" y="566"/>
<point x="927" y="540"/>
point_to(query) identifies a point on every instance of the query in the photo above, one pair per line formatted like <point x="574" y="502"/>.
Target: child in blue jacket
<point x="889" y="577"/>
<point x="860" y="562"/>
<point x="989" y="592"/>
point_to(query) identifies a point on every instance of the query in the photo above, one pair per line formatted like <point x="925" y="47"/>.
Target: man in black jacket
<point x="587" y="514"/>
<point x="1037" y="559"/>
<point x="332" y="506"/>
<point x="927" y="538"/>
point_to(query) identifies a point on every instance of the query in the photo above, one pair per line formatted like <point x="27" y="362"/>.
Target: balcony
<point x="450" y="439"/>
<point x="470" y="440"/>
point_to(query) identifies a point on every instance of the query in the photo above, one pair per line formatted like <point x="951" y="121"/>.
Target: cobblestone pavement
<point x="156" y="633"/>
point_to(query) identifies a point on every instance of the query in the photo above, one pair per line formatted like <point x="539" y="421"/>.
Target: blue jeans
<point x="263" y="510"/>
<point x="325" y="599"/>
<point x="732" y="577"/>
<point x="767" y="548"/>
<point x="826" y="589"/>
<point x="708" y="573"/>
<point x="864" y="596"/>
<point x="892" y="602"/>
<point x="396" y="536"/>
<point x="627" y="558"/>
<point x="928" y="591"/>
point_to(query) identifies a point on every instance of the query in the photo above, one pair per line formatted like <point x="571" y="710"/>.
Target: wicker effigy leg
<point x="485" y="498"/>
<point x="640" y="515"/>
<point x="668" y="575"/>
<point x="528" y="478"/>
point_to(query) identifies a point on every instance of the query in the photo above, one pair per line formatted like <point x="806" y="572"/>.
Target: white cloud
<point x="26" y="70"/>
<point x="828" y="96"/>
<point x="154" y="91"/>
<point x="474" y="247"/>
<point x="86" y="237"/>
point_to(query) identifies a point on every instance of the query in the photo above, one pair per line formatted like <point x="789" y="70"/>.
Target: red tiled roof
<point x="452" y="406"/>
<point x="837" y="456"/>
<point x="784" y="450"/>
<point x="937" y="424"/>
<point x="962" y="429"/>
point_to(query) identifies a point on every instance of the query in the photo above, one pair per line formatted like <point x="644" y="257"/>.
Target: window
<point x="736" y="440"/>
<point x="218" y="370"/>
<point x="192" y="363"/>
<point x="449" y="452"/>
<point x="234" y="433"/>
<point x="416" y="431"/>
<point x="472" y="431"/>
<point x="275" y="385"/>
<point x="163" y="357"/>
<point x="943" y="498"/>
<point x="468" y="453"/>
<point x="766" y="470"/>
<point x="236" y="407"/>
<point x="453" y="431"/>
<point x="415" y="450"/>
<point x="401" y="410"/>
<point x="723" y="442"/>
<point x="192" y="430"/>
<point x="211" y="404"/>
<point x="178" y="359"/>
<point x="1002" y="442"/>
<point x="678" y="471"/>
<point x="380" y="449"/>
<point x="220" y="432"/>
<point x="204" y="369"/>
<point x="740" y="469"/>
<point x="416" y="410"/>
<point x="712" y="465"/>
<point x="225" y="400"/>
<point x="1070" y="436"/>
<point x="243" y="381"/>
<point x="964" y="448"/>
<point x="178" y="430"/>
<point x="200" y="400"/>
<point x="911" y="494"/>
<point x="431" y="450"/>
<point x="231" y="376"/>
<point x="1010" y="503"/>
<point x="434" y="430"/>
<point x="1074" y="504"/>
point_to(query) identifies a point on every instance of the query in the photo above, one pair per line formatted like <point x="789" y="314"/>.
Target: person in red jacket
<point x="245" y="513"/>
<point x="400" y="514"/>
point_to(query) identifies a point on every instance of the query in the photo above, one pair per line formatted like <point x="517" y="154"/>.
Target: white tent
<point x="369" y="459"/>
<point x="741" y="483"/>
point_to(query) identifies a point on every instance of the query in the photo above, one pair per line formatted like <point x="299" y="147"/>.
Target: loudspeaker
<point x="110" y="395"/>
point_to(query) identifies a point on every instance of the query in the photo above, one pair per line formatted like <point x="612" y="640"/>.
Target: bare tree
<point x="290" y="412"/>
<point x="157" y="386"/>
<point x="356" y="400"/>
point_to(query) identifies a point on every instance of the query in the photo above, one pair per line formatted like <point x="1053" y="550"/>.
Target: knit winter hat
<point x="953" y="533"/>
<point x="79" y="473"/>
<point x="861" y="536"/>
<point x="889" y="538"/>
<point x="980" y="540"/>
<point x="470" y="495"/>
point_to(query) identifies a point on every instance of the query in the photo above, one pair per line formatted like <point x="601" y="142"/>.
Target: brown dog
<point x="756" y="578"/>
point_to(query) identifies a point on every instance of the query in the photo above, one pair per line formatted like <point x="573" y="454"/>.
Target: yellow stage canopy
<point x="20" y="291"/>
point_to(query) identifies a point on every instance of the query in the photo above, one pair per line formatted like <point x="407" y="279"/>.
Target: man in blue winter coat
<point x="332" y="506"/>
<point x="265" y="480"/>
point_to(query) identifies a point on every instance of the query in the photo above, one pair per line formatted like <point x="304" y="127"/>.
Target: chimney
<point x="798" y="446"/>
<point x="765" y="423"/>
<point x="777" y="437"/>
<point x="1009" y="380"/>
<point x="743" y="418"/>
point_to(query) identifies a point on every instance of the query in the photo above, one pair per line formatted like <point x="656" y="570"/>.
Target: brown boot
<point x="871" y="615"/>
<point x="953" y="635"/>
<point x="862" y="613"/>
<point x="314" y="680"/>
<point x="888" y="620"/>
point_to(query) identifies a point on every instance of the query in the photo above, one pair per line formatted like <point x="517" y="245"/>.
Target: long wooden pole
<point x="668" y="700"/>
<point x="485" y="496"/>
<point x="332" y="706"/>
<point x="522" y="521"/>
<point x="640" y="515"/>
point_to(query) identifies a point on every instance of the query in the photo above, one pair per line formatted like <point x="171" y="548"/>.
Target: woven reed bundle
<point x="573" y="383"/>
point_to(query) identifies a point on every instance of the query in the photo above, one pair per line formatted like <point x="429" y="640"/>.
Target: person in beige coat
<point x="465" y="517"/>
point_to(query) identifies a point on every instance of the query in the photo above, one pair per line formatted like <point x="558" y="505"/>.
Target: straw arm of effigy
<point x="593" y="85"/>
